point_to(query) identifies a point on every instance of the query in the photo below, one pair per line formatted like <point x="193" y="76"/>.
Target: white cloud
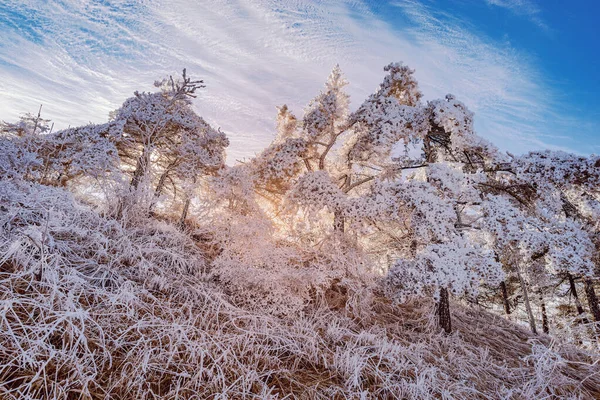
<point x="255" y="55"/>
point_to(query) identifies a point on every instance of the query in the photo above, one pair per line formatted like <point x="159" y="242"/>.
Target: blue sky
<point x="527" y="68"/>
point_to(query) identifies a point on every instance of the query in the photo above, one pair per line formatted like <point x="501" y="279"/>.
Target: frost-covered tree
<point x="162" y="140"/>
<point x="570" y="185"/>
<point x="364" y="181"/>
<point x="150" y="121"/>
<point x="536" y="245"/>
<point x="27" y="125"/>
<point x="442" y="234"/>
<point x="58" y="158"/>
<point x="517" y="239"/>
<point x="339" y="143"/>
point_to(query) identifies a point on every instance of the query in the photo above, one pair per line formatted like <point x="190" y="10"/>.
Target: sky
<point x="528" y="69"/>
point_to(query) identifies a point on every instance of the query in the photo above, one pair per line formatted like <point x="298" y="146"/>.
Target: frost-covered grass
<point x="91" y="308"/>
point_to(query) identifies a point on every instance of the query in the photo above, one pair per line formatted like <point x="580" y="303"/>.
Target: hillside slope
<point x="93" y="309"/>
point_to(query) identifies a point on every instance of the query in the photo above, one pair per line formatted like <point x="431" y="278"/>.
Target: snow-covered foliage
<point x="458" y="266"/>
<point x="277" y="165"/>
<point x="17" y="160"/>
<point x="263" y="273"/>
<point x="326" y="114"/>
<point x="135" y="264"/>
<point x="92" y="308"/>
<point x="559" y="168"/>
<point x="234" y="188"/>
<point x="27" y="125"/>
<point x="57" y="158"/>
<point x="452" y="137"/>
<point x="565" y="244"/>
<point x="513" y="229"/>
<point x="391" y="115"/>
<point x="316" y="190"/>
<point x="451" y="179"/>
<point x="570" y="249"/>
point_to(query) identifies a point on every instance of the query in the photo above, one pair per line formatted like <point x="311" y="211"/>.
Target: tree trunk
<point x="161" y="184"/>
<point x="443" y="311"/>
<point x="505" y="297"/>
<point x="545" y="326"/>
<point x="140" y="168"/>
<point x="592" y="299"/>
<point x="338" y="221"/>
<point x="138" y="173"/>
<point x="575" y="295"/>
<point x="580" y="310"/>
<point x="428" y="149"/>
<point x="578" y="305"/>
<point x="527" y="303"/>
<point x="159" y="188"/>
<point x="184" y="213"/>
<point x="593" y="304"/>
<point x="37" y="120"/>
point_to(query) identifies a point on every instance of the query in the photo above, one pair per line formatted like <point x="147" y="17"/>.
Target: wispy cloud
<point x="523" y="8"/>
<point x="81" y="59"/>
